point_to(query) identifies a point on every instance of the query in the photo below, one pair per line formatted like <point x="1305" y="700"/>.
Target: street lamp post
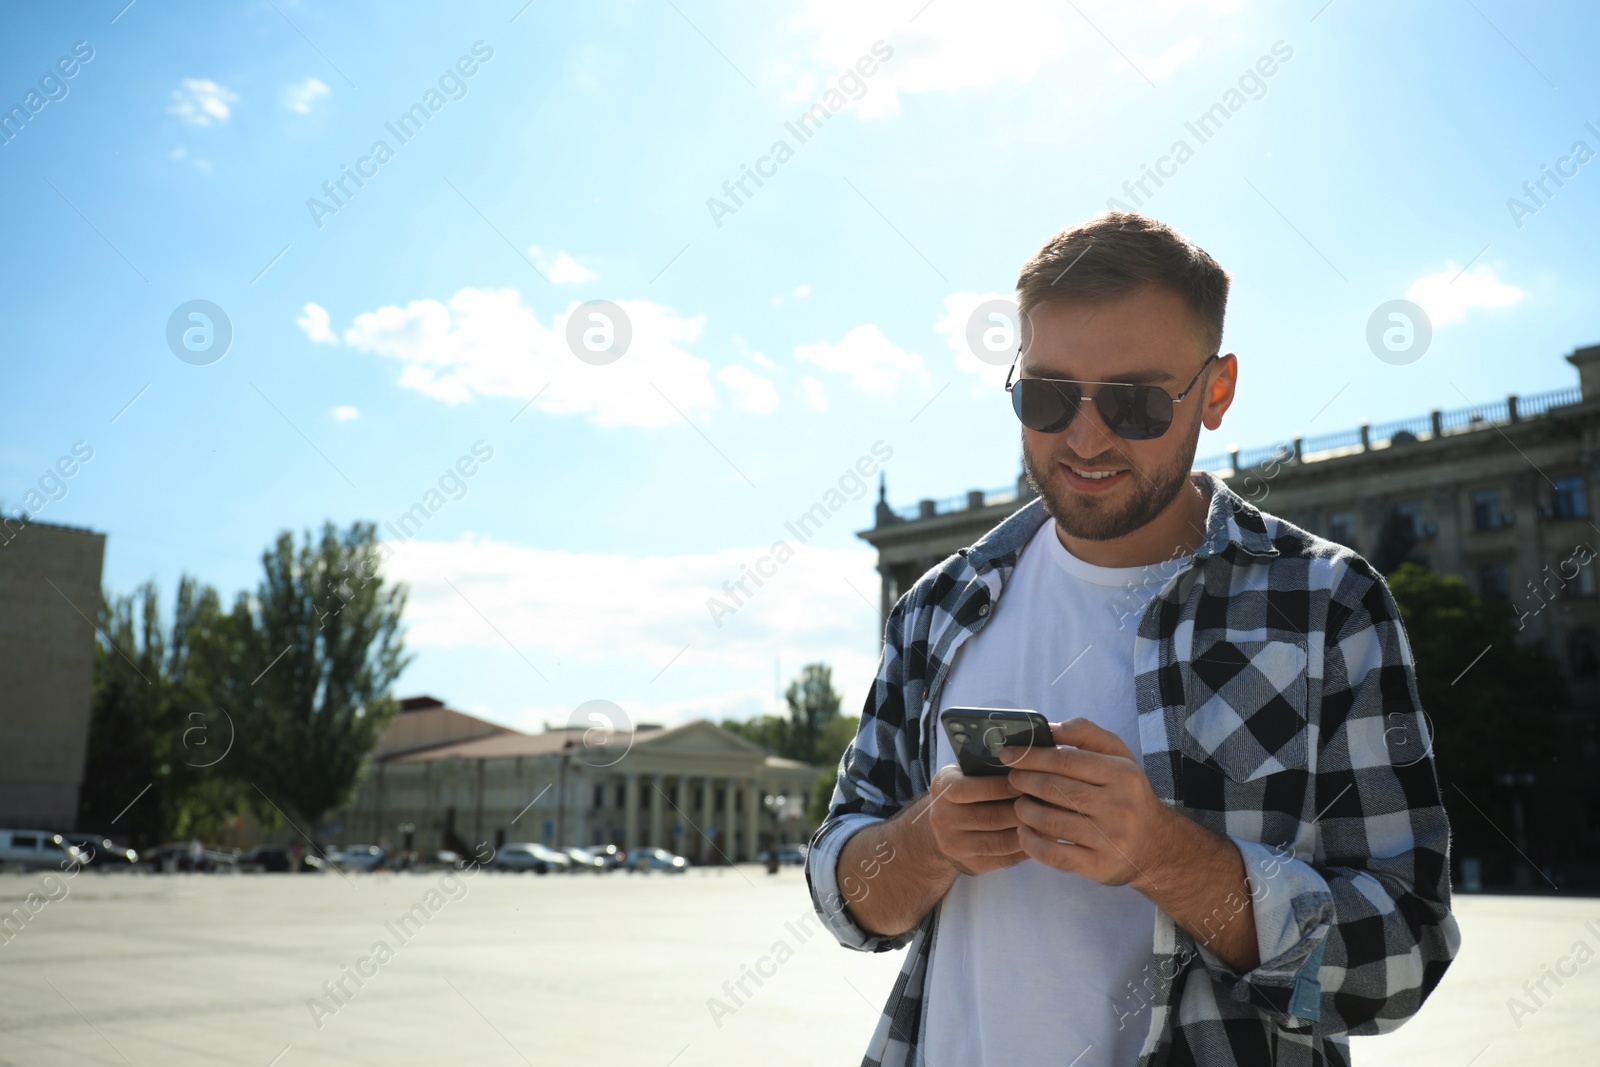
<point x="775" y="805"/>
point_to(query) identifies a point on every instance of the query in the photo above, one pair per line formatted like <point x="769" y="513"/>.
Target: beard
<point x="1098" y="518"/>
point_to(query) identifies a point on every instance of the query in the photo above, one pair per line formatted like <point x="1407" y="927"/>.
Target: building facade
<point x="443" y="779"/>
<point x="49" y="599"/>
<point x="1502" y="494"/>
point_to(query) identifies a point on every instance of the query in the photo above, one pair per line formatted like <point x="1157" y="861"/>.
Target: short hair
<point x="1117" y="252"/>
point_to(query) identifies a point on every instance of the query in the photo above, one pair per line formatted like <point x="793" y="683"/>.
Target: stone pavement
<point x="615" y="969"/>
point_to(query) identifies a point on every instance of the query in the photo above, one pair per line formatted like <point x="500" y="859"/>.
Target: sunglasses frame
<point x="1082" y="396"/>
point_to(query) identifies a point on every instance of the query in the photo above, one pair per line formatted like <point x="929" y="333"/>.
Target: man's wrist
<point x="920" y="835"/>
<point x="1171" y="843"/>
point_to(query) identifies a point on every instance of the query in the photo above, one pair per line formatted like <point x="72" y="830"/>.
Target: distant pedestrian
<point x="197" y="854"/>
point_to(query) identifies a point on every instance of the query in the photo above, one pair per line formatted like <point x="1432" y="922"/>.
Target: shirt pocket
<point x="1247" y="702"/>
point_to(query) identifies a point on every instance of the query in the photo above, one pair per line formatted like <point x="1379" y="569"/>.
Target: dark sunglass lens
<point x="1043" y="405"/>
<point x="1135" y="412"/>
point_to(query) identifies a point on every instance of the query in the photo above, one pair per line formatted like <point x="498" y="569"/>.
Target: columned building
<point x="444" y="779"/>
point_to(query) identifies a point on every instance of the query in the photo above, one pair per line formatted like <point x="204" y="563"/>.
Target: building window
<point x="1585" y="656"/>
<point x="1412" y="510"/>
<point x="622" y="795"/>
<point x="1569" y="501"/>
<point x="599" y="796"/>
<point x="1342" y="528"/>
<point x="1583" y="583"/>
<point x="1493" y="582"/>
<point x="1486" y="513"/>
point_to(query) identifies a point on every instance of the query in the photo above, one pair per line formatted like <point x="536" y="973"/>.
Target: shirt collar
<point x="1230" y="520"/>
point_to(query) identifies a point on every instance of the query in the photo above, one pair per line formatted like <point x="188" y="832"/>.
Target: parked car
<point x="29" y="849"/>
<point x="656" y="859"/>
<point x="611" y="854"/>
<point x="102" y="852"/>
<point x="530" y="856"/>
<point x="792" y="855"/>
<point x="175" y="856"/>
<point x="584" y="860"/>
<point x="273" y="858"/>
<point x="358" y="857"/>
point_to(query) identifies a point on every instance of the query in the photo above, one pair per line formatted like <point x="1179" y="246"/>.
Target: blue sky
<point x="773" y="345"/>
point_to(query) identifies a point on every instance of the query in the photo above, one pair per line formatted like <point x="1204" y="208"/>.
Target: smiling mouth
<point x="1093" y="475"/>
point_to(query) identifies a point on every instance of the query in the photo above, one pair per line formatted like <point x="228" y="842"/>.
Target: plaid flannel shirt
<point x="1278" y="707"/>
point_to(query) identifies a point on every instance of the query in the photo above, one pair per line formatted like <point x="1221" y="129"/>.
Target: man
<point x="1236" y="852"/>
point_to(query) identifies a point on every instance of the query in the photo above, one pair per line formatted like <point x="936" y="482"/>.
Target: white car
<point x="35" y="848"/>
<point x="531" y="856"/>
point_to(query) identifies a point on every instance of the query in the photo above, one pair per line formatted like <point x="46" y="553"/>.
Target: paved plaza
<point x="173" y="970"/>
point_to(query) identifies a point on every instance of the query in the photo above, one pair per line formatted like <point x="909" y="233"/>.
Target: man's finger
<point x="1056" y="790"/>
<point x="975" y="789"/>
<point x="1081" y="733"/>
<point x="1083" y="764"/>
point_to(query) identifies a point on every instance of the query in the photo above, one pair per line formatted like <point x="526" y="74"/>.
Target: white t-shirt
<point x="1029" y="960"/>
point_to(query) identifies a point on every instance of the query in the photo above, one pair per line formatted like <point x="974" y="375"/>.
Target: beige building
<point x="1502" y="494"/>
<point x="443" y="779"/>
<point x="49" y="599"/>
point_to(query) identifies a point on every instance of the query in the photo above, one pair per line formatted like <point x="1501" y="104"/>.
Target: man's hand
<point x="1094" y="795"/>
<point x="974" y="820"/>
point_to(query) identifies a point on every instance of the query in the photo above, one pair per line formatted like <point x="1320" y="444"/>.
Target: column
<point x="752" y="819"/>
<point x="580" y="807"/>
<point x="657" y="783"/>
<point x="630" y="812"/>
<point x="708" y="797"/>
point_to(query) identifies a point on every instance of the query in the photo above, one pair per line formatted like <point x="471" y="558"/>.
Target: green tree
<point x="311" y="658"/>
<point x="771" y="732"/>
<point x="813" y="703"/>
<point x="153" y="769"/>
<point x="1492" y="714"/>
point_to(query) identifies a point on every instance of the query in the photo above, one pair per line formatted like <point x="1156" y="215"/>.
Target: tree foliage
<point x="145" y="773"/>
<point x="311" y="657"/>
<point x="1492" y="714"/>
<point x="271" y="707"/>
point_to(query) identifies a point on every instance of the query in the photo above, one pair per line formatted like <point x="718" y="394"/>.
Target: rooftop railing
<point x="1368" y="437"/>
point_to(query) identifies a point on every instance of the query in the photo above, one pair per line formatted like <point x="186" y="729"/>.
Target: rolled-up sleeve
<point x="1353" y="938"/>
<point x="874" y="783"/>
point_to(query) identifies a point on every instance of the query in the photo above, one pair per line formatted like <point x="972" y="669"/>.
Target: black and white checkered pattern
<point x="1278" y="707"/>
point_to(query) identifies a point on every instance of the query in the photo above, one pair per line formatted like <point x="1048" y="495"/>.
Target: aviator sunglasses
<point x="1132" y="412"/>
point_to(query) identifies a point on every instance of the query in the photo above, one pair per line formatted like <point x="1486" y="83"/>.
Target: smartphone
<point x="978" y="734"/>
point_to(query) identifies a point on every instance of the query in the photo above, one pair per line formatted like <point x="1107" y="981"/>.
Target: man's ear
<point x="1219" y="391"/>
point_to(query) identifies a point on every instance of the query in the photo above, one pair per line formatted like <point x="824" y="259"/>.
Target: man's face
<point x="1148" y="337"/>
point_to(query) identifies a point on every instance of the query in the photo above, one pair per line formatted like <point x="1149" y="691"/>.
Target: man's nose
<point x="1087" y="435"/>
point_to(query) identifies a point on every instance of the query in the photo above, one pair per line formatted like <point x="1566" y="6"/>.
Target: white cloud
<point x="1448" y="295"/>
<point x="815" y="394"/>
<point x="346" y="413"/>
<point x="608" y="608"/>
<point x="952" y="326"/>
<point x="1163" y="66"/>
<point x="567" y="269"/>
<point x="563" y="270"/>
<point x="751" y="392"/>
<point x="953" y="47"/>
<point x="202" y="102"/>
<point x="802" y="291"/>
<point x="301" y="96"/>
<point x="313" y="320"/>
<point x="488" y="343"/>
<point x="874" y="364"/>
